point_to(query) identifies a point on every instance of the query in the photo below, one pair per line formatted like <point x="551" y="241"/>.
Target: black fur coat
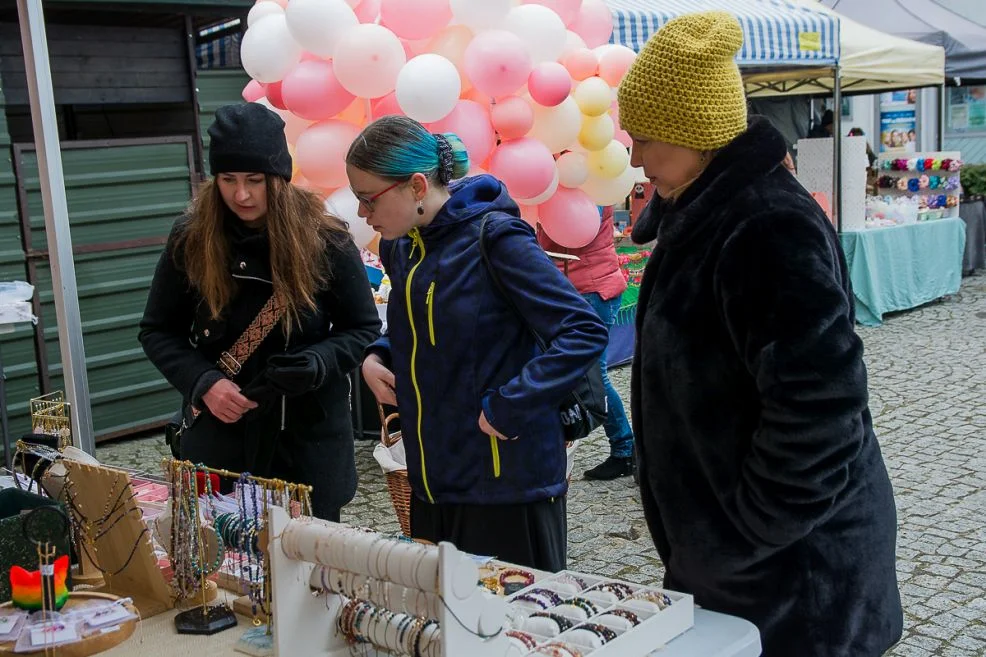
<point x="761" y="478"/>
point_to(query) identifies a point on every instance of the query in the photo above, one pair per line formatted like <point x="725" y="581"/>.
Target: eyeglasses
<point x="368" y="202"/>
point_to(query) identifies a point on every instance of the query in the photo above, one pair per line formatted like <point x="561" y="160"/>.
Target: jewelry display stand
<point x="121" y="544"/>
<point x="437" y="583"/>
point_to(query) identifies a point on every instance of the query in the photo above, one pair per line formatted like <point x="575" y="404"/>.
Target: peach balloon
<point x="367" y="11"/>
<point x="614" y="64"/>
<point x="385" y="106"/>
<point x="570" y="218"/>
<point x="529" y="213"/>
<point x="549" y="84"/>
<point x="355" y="113"/>
<point x="471" y="122"/>
<point x="581" y="63"/>
<point x="321" y="152"/>
<point x="512" y="117"/>
<point x="253" y="91"/>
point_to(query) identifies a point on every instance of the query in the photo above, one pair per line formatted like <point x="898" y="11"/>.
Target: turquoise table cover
<point x="901" y="267"/>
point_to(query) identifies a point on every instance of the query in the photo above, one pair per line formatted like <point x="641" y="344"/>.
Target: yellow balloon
<point x="610" y="161"/>
<point x="596" y="132"/>
<point x="593" y="96"/>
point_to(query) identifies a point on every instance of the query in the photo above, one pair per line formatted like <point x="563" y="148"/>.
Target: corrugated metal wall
<point x="217" y="87"/>
<point x="123" y="198"/>
<point x="16" y="348"/>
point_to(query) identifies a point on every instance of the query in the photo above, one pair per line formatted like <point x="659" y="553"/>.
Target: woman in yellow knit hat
<point x="761" y="478"/>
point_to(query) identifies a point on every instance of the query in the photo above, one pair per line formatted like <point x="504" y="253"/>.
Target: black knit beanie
<point x="248" y="137"/>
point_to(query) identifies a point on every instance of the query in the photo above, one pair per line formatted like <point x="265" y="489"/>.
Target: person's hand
<point x="379" y="380"/>
<point x="225" y="402"/>
<point x="295" y="374"/>
<point x="488" y="429"/>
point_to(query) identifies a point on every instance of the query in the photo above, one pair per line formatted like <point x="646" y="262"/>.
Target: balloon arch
<point x="528" y="85"/>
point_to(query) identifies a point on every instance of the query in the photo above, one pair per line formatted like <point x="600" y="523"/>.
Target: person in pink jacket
<point x="597" y="277"/>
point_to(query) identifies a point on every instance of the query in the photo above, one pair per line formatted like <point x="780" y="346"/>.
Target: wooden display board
<point x="120" y="544"/>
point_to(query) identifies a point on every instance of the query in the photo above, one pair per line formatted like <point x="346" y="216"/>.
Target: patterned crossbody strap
<point x="232" y="360"/>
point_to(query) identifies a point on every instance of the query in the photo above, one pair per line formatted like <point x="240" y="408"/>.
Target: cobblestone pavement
<point x="928" y="396"/>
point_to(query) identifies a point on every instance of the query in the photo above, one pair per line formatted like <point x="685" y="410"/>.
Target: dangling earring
<point x="421" y="209"/>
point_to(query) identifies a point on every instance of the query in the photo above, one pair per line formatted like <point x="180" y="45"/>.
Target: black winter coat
<point x="761" y="478"/>
<point x="303" y="439"/>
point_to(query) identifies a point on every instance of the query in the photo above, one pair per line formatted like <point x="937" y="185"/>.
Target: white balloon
<point x="318" y="25"/>
<point x="428" y="88"/>
<point x="541" y="30"/>
<point x="343" y="204"/>
<point x="268" y="51"/>
<point x="557" y="127"/>
<point x="262" y="10"/>
<point x="543" y="196"/>
<point x="480" y="14"/>
<point x="572" y="42"/>
<point x="612" y="191"/>
<point x="368" y="59"/>
<point x="573" y="169"/>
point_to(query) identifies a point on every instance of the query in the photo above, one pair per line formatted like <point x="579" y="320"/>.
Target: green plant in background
<point x="974" y="179"/>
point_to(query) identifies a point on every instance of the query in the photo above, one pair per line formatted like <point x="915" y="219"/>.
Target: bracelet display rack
<point x="395" y="597"/>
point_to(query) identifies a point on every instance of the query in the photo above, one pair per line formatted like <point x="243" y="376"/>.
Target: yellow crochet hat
<point x="684" y="87"/>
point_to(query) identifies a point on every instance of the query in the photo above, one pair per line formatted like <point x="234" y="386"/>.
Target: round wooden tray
<point x="89" y="646"/>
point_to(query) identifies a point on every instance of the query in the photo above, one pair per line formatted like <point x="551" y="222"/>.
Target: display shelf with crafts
<point x="921" y="187"/>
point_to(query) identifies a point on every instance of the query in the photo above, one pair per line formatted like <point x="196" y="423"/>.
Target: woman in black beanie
<point x="259" y="309"/>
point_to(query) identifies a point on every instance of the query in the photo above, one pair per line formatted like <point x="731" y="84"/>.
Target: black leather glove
<point x="295" y="374"/>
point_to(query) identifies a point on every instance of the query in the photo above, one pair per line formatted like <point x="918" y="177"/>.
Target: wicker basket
<point x="397" y="484"/>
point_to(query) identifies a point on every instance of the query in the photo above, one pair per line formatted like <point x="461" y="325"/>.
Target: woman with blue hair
<point x="477" y="399"/>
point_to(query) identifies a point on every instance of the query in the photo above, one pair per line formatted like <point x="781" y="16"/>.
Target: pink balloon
<point x="385" y="106"/>
<point x="275" y="95"/>
<point x="253" y="91"/>
<point x="415" y="19"/>
<point x="570" y="218"/>
<point x="620" y="135"/>
<point x="567" y="10"/>
<point x="321" y="152"/>
<point x="497" y="62"/>
<point x="525" y="166"/>
<point x="512" y="117"/>
<point x="367" y="10"/>
<point x="549" y="84"/>
<point x="614" y="63"/>
<point x="471" y="122"/>
<point x="594" y="23"/>
<point x="581" y="63"/>
<point x="313" y="92"/>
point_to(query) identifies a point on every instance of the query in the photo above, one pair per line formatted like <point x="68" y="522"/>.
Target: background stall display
<point x="922" y="187"/>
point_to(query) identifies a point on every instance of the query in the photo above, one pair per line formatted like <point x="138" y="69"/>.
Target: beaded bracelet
<point x="529" y="642"/>
<point x="558" y="650"/>
<point x="512" y="586"/>
<point x="624" y="613"/>
<point x="619" y="589"/>
<point x="603" y="632"/>
<point x="583" y="604"/>
<point x="562" y="622"/>
<point x="660" y="599"/>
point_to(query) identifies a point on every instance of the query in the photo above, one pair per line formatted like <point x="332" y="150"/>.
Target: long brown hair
<point x="299" y="230"/>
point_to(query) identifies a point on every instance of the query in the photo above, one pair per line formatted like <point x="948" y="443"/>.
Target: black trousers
<point x="533" y="534"/>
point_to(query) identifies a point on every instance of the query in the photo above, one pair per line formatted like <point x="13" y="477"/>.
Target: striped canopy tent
<point x="775" y="33"/>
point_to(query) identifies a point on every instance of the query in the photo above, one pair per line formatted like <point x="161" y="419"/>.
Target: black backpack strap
<point x="500" y="287"/>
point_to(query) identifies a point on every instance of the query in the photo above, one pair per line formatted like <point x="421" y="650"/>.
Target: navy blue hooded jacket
<point x="457" y="349"/>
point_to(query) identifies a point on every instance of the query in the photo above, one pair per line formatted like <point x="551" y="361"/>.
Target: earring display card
<point x="596" y="615"/>
<point x="11" y="624"/>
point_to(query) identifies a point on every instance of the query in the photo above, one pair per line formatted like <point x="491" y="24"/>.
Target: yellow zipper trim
<point x="430" y="300"/>
<point x="416" y="239"/>
<point x="496" y="456"/>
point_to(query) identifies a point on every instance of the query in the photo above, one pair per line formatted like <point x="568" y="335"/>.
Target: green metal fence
<point x="123" y="197"/>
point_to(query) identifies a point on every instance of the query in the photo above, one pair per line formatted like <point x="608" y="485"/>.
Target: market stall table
<point x="902" y="267"/>
<point x="973" y="213"/>
<point x="714" y="635"/>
